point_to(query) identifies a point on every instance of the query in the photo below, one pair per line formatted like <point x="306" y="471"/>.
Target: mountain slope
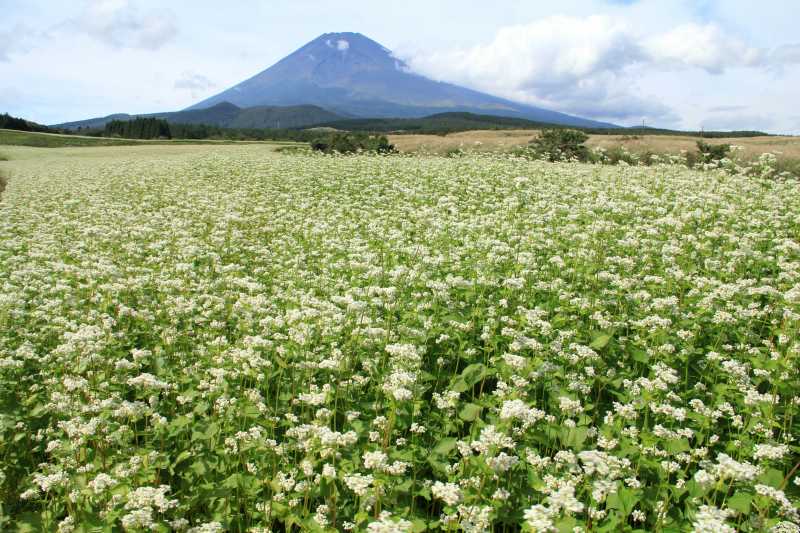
<point x="226" y="115"/>
<point x="281" y="117"/>
<point x="351" y="74"/>
<point x="438" y="123"/>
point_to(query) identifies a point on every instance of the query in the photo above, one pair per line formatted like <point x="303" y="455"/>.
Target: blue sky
<point x="713" y="64"/>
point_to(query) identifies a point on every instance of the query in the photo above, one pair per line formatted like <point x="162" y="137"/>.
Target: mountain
<point x="226" y="115"/>
<point x="351" y="74"/>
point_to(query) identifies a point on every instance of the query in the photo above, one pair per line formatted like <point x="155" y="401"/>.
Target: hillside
<point x="437" y="123"/>
<point x="442" y="123"/>
<point x="51" y="140"/>
<point x="225" y="115"/>
<point x="20" y="124"/>
<point x="281" y="117"/>
<point x="351" y="74"/>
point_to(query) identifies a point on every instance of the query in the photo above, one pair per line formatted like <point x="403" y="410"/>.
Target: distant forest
<point x="154" y="128"/>
<point x="8" y="122"/>
<point x="140" y="128"/>
<point x="439" y="124"/>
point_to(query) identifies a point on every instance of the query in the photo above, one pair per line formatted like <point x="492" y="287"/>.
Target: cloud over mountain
<point x="569" y="63"/>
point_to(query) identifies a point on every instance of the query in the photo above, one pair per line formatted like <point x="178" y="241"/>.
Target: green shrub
<point x="561" y="145"/>
<point x="454" y="152"/>
<point x="301" y="149"/>
<point x="712" y="152"/>
<point x="350" y="143"/>
<point x="617" y="154"/>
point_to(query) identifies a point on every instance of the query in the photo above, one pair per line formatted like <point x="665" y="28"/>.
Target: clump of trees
<point x="195" y="131"/>
<point x="140" y="128"/>
<point x="350" y="143"/>
<point x="561" y="145"/>
<point x="712" y="152"/>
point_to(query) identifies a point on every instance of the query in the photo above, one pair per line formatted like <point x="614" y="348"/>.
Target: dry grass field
<point x="499" y="140"/>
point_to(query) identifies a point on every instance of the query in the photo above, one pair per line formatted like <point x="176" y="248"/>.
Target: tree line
<point x="139" y="128"/>
<point x="8" y="122"/>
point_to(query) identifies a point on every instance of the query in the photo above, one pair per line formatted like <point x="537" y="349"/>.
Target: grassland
<point x="504" y="140"/>
<point x="224" y="338"/>
<point x="54" y="140"/>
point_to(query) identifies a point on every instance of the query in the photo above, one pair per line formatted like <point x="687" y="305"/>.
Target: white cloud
<point x="191" y="80"/>
<point x="342" y="45"/>
<point x="787" y="54"/>
<point x="739" y="121"/>
<point x="120" y="24"/>
<point x="197" y="84"/>
<point x="726" y="108"/>
<point x="591" y="65"/>
<point x="17" y="40"/>
<point x="544" y="54"/>
<point x="702" y="46"/>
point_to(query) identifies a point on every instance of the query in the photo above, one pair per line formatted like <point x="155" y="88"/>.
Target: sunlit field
<point x="225" y="338"/>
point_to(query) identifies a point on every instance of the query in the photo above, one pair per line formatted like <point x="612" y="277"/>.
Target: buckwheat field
<point x="230" y="339"/>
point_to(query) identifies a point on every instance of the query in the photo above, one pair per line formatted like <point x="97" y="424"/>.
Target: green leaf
<point x="199" y="467"/>
<point x="566" y="524"/>
<point x="211" y="430"/>
<point x="611" y="524"/>
<point x="233" y="481"/>
<point x="624" y="500"/>
<point x="772" y="477"/>
<point x="600" y="342"/>
<point x="640" y="355"/>
<point x="740" y="501"/>
<point x="181" y="457"/>
<point x="418" y="525"/>
<point x="438" y="466"/>
<point x="459" y="385"/>
<point x="676" y="446"/>
<point x="29" y="522"/>
<point x="473" y="373"/>
<point x="445" y="446"/>
<point x="469" y="412"/>
<point x="278" y="509"/>
<point x="574" y="437"/>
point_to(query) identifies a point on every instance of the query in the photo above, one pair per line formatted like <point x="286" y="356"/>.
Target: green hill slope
<point x="225" y="115"/>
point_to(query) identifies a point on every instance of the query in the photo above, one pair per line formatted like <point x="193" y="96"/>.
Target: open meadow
<point x="211" y="338"/>
<point x="505" y="140"/>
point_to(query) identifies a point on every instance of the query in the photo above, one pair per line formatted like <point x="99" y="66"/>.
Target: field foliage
<point x="233" y="341"/>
